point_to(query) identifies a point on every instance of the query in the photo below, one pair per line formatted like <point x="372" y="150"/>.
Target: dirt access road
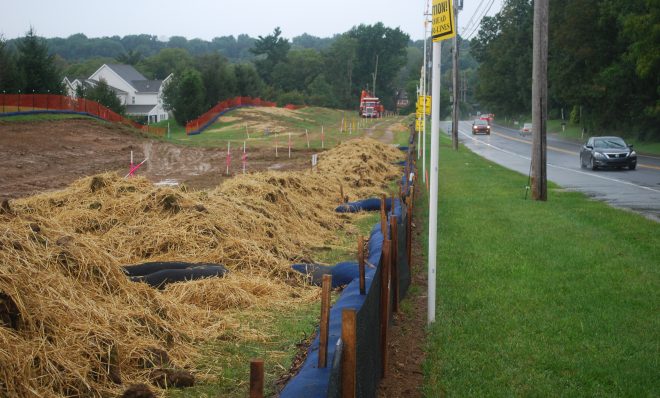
<point x="48" y="155"/>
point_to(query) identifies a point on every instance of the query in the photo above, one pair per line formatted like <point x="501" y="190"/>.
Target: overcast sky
<point x="206" y="19"/>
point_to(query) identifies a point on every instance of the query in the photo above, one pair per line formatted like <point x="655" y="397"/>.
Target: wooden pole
<point x="361" y="264"/>
<point x="256" y="378"/>
<point x="383" y="216"/>
<point x="455" y="96"/>
<point x="394" y="263"/>
<point x="409" y="230"/>
<point x="325" y="320"/>
<point x="341" y="194"/>
<point x="348" y="354"/>
<point x="384" y="302"/>
<point x="539" y="177"/>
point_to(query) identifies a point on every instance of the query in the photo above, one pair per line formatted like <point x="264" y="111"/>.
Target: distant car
<point x="480" y="126"/>
<point x="607" y="152"/>
<point x="526" y="129"/>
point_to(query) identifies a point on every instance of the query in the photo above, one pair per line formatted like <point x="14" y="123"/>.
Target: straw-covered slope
<point x="71" y="322"/>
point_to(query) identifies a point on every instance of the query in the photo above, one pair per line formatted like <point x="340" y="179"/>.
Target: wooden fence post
<point x="325" y="320"/>
<point x="409" y="230"/>
<point x="348" y="354"/>
<point x="256" y="378"/>
<point x="383" y="216"/>
<point x="384" y="302"/>
<point x="393" y="263"/>
<point x="361" y="264"/>
<point x="342" y="200"/>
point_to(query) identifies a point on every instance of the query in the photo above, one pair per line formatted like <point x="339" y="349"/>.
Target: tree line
<point x="306" y="70"/>
<point x="603" y="70"/>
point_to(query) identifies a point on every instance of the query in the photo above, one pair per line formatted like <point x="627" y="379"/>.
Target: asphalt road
<point x="637" y="190"/>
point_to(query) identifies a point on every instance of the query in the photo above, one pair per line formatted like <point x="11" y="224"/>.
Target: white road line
<point x="561" y="167"/>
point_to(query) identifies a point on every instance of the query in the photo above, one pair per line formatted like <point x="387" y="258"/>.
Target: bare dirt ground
<point x="43" y="156"/>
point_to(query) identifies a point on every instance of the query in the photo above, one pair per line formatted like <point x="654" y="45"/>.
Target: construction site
<point x="76" y="216"/>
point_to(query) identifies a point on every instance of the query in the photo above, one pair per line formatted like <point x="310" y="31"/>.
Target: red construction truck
<point x="370" y="106"/>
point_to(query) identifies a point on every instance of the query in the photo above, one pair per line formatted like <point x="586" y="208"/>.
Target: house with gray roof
<point x="140" y="96"/>
<point x="71" y="84"/>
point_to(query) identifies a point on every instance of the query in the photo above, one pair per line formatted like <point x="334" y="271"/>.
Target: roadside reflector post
<point x="348" y="354"/>
<point x="256" y="378"/>
<point x="326" y="287"/>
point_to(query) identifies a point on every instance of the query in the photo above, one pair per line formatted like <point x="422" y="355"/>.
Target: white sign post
<point x="443" y="28"/>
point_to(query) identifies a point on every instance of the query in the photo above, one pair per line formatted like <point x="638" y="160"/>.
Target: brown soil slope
<point x="47" y="155"/>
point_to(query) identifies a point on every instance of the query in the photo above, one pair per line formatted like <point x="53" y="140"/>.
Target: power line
<point x="469" y="24"/>
<point x="480" y="18"/>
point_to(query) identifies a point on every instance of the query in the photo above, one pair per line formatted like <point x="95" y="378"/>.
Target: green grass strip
<point x="556" y="298"/>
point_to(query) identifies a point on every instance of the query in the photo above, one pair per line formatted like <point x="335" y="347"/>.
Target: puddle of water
<point x="167" y="183"/>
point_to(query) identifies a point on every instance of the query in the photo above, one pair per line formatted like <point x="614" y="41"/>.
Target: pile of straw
<point x="365" y="166"/>
<point x="72" y="324"/>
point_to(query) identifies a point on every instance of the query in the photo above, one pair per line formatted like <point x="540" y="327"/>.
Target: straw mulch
<point x="72" y="324"/>
<point x="365" y="166"/>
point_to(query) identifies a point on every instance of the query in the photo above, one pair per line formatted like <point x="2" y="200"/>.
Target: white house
<point x="71" y="84"/>
<point x="140" y="96"/>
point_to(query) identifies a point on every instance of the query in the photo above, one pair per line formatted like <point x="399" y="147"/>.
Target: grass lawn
<point x="308" y="119"/>
<point x="44" y="117"/>
<point x="560" y="298"/>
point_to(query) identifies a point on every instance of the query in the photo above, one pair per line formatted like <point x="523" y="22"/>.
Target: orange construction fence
<point x="39" y="103"/>
<point x="198" y="125"/>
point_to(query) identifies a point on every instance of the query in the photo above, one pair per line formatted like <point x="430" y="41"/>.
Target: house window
<point x="133" y="99"/>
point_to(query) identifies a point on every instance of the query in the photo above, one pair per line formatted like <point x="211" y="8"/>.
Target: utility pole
<point x="456" y="94"/>
<point x="374" y="76"/>
<point x="539" y="178"/>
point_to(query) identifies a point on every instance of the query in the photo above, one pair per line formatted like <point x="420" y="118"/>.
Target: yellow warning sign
<point x="420" y="105"/>
<point x="443" y="20"/>
<point x="418" y="125"/>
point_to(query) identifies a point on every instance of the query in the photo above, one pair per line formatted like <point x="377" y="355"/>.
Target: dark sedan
<point x="480" y="126"/>
<point x="607" y="152"/>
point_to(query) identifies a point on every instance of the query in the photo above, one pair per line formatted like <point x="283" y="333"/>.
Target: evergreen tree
<point x="37" y="68"/>
<point x="271" y="50"/>
<point x="9" y="76"/>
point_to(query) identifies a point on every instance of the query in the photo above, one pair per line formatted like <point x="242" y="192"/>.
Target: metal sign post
<point x="443" y="28"/>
